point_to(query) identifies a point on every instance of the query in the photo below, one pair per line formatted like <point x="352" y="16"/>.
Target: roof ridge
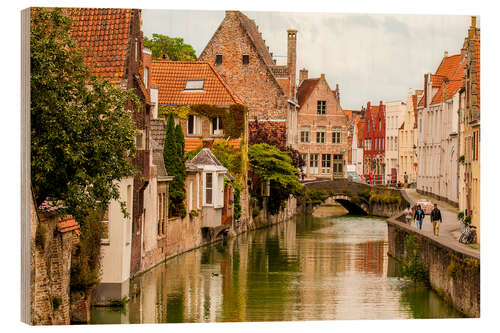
<point x="235" y="97"/>
<point x="259" y="51"/>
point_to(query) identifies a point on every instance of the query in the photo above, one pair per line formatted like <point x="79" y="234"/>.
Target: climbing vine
<point x="233" y="117"/>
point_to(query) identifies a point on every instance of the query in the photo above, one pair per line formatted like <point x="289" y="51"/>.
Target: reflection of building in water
<point x="371" y="258"/>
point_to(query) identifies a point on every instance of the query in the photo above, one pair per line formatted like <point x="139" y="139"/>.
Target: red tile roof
<point x="452" y="86"/>
<point x="103" y="33"/>
<point x="67" y="223"/>
<point x="305" y="89"/>
<point x="171" y="76"/>
<point x="448" y="66"/>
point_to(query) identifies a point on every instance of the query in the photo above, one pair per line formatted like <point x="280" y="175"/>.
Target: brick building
<point x="470" y="128"/>
<point x="239" y="53"/>
<point x="323" y="128"/>
<point x="112" y="44"/>
<point x="197" y="84"/>
<point x="373" y="137"/>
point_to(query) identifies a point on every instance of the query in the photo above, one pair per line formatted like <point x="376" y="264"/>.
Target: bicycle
<point x="469" y="235"/>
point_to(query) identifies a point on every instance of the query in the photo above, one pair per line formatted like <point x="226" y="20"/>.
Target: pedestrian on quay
<point x="407" y="214"/>
<point x="419" y="217"/>
<point x="436" y="219"/>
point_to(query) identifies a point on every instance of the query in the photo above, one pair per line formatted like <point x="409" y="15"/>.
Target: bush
<point x="316" y="197"/>
<point x="412" y="265"/>
<point x="364" y="193"/>
<point x="85" y="265"/>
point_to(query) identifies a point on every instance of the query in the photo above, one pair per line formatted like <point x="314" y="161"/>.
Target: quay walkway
<point x="449" y="230"/>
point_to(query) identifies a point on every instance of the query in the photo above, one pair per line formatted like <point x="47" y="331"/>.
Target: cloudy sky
<point x="371" y="57"/>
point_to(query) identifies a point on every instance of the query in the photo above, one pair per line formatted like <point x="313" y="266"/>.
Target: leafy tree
<point x="174" y="48"/>
<point x="173" y="157"/>
<point x="82" y="135"/>
<point x="274" y="165"/>
<point x="261" y="132"/>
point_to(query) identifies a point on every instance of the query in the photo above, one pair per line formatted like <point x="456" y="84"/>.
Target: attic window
<point x="246" y="59"/>
<point x="218" y="59"/>
<point x="194" y="84"/>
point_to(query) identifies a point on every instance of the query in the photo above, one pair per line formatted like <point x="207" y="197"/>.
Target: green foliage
<point x="82" y="134"/>
<point x="174" y="48"/>
<point x="191" y="154"/>
<point x="364" y="193"/>
<point x="233" y="118"/>
<point x="452" y="269"/>
<point x="461" y="159"/>
<point x="86" y="259"/>
<point x="229" y="157"/>
<point x="173" y="156"/>
<point x="275" y="166"/>
<point x="386" y="197"/>
<point x="119" y="303"/>
<point x="193" y="213"/>
<point x="460" y="216"/>
<point x="237" y="203"/>
<point x="315" y="197"/>
<point x="412" y="265"/>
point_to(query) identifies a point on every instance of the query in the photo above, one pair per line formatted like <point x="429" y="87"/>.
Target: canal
<point x="306" y="269"/>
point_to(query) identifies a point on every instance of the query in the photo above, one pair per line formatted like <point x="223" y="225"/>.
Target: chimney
<point x="291" y="60"/>
<point x="208" y="143"/>
<point x="323" y="76"/>
<point x="303" y="75"/>
<point x="445" y="54"/>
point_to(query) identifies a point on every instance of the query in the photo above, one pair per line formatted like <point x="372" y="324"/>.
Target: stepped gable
<point x="104" y="36"/>
<point x="171" y="76"/>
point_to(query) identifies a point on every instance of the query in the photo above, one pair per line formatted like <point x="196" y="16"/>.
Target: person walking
<point x="419" y="217"/>
<point x="406" y="179"/>
<point x="436" y="219"/>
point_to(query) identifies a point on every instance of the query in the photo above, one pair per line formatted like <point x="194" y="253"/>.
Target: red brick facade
<point x="240" y="55"/>
<point x="373" y="137"/>
<point x="322" y="127"/>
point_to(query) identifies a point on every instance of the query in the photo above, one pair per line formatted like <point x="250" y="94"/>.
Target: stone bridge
<point x="346" y="193"/>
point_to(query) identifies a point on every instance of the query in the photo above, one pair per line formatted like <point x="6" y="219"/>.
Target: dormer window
<point x="246" y="59"/>
<point x="194" y="85"/>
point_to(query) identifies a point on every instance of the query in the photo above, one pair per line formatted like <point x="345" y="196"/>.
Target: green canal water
<point x="306" y="269"/>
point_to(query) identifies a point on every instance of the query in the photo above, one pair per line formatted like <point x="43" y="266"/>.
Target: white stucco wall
<point x="115" y="260"/>
<point x="394" y="117"/>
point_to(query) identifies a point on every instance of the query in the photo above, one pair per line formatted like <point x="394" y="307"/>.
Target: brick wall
<point x="252" y="82"/>
<point x="50" y="271"/>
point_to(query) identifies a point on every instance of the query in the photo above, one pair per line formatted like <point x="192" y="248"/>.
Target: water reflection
<point x="306" y="269"/>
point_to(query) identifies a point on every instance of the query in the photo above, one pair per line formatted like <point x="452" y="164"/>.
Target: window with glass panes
<point x="321" y="107"/>
<point x="337" y="165"/>
<point x="336" y="135"/>
<point x="313" y="163"/>
<point x="326" y="161"/>
<point x="320" y="135"/>
<point x="304" y="134"/>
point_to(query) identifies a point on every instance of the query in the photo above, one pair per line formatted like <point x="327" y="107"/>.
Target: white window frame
<point x="337" y="134"/>
<point x="220" y="129"/>
<point x="321" y="138"/>
<point x="313" y="164"/>
<point x="205" y="189"/>
<point x="195" y="120"/>
<point x="303" y="131"/>
<point x="326" y="163"/>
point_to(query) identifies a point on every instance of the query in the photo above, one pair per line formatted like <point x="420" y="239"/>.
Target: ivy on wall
<point x="233" y="117"/>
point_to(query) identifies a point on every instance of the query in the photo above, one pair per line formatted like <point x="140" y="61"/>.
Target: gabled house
<point x="373" y="137"/>
<point x="323" y="127"/>
<point x="470" y="128"/>
<point x="239" y="53"/>
<point x="112" y="43"/>
<point x="394" y="116"/>
<point x="438" y="130"/>
<point x="408" y="139"/>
